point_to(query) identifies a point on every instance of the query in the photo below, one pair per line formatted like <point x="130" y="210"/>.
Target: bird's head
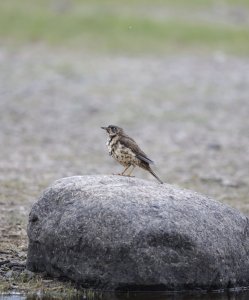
<point x="113" y="130"/>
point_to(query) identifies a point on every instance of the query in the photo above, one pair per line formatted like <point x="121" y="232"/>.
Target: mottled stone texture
<point x="119" y="233"/>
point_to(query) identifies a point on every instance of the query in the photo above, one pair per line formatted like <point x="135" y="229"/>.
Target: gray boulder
<point x="120" y="233"/>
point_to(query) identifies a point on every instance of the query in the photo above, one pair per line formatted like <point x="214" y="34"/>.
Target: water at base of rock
<point x="238" y="294"/>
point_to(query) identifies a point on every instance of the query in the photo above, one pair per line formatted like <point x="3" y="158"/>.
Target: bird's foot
<point x="120" y="174"/>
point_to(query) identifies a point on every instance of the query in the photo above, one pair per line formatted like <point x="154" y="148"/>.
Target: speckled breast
<point x="124" y="155"/>
<point x="121" y="153"/>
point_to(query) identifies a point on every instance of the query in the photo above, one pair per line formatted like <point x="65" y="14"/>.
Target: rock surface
<point x="119" y="233"/>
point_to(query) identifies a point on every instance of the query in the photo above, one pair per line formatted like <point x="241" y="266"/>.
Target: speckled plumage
<point x="126" y="151"/>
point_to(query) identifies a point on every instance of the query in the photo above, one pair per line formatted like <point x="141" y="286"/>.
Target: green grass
<point x="119" y="26"/>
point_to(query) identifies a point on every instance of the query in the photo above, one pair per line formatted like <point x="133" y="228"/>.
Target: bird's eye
<point x="114" y="129"/>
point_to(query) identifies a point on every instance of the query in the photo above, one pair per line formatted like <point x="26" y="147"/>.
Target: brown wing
<point x="130" y="143"/>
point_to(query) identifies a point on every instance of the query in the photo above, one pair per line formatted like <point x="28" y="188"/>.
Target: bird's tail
<point x="152" y="173"/>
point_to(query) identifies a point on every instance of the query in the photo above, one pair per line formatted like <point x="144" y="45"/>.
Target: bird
<point x="126" y="151"/>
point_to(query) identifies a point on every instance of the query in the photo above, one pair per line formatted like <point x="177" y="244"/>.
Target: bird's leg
<point x="129" y="175"/>
<point x="122" y="174"/>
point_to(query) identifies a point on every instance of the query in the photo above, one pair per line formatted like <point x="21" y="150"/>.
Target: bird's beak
<point x="104" y="128"/>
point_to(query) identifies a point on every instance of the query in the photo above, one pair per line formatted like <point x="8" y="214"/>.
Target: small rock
<point x="22" y="254"/>
<point x="214" y="146"/>
<point x="9" y="274"/>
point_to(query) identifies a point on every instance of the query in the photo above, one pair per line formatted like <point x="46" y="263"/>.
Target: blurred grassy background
<point x="140" y="26"/>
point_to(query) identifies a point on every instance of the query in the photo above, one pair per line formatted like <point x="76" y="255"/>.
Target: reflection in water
<point x="239" y="295"/>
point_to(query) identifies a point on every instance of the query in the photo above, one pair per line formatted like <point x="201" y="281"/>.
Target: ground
<point x="189" y="114"/>
<point x="184" y="101"/>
